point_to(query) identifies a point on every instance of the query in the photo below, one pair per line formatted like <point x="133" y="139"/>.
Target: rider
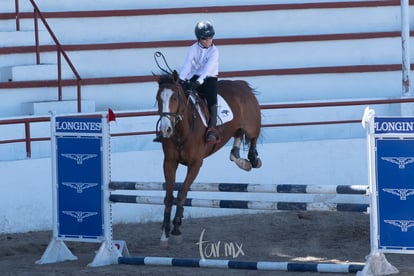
<point x="201" y="69"/>
<point x="199" y="73"/>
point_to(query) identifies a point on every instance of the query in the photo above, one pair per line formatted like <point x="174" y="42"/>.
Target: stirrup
<point x="212" y="136"/>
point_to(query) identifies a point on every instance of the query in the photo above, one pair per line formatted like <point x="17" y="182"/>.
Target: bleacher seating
<point x="289" y="51"/>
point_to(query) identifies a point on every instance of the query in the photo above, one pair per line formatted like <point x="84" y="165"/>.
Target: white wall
<point x="25" y="197"/>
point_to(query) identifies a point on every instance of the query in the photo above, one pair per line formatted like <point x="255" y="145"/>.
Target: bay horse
<point x="183" y="137"/>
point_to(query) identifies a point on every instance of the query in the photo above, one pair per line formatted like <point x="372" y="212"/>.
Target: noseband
<point x="174" y="117"/>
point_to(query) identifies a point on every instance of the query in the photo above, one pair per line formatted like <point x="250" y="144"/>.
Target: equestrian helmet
<point x="204" y="29"/>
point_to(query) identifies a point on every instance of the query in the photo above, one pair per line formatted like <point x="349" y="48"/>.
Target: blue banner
<point x="398" y="125"/>
<point x="395" y="187"/>
<point x="78" y="125"/>
<point x="80" y="180"/>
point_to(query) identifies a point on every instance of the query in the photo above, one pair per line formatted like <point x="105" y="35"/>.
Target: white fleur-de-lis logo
<point x="402" y="193"/>
<point x="79" y="187"/>
<point x="403" y="224"/>
<point x="400" y="161"/>
<point x="79" y="215"/>
<point x="79" y="157"/>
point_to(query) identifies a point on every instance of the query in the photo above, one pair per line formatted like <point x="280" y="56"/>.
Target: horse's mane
<point x="165" y="78"/>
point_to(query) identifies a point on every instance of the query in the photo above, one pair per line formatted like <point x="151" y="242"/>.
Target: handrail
<point x="17" y="11"/>
<point x="28" y="139"/>
<point x="27" y="121"/>
<point x="60" y="52"/>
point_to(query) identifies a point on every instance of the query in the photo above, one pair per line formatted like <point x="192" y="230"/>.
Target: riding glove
<point x="193" y="85"/>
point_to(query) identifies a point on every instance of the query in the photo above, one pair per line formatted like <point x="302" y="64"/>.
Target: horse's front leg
<point x="169" y="173"/>
<point x="165" y="228"/>
<point x="192" y="172"/>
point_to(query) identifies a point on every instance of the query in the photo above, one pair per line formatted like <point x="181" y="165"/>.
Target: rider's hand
<point x="194" y="85"/>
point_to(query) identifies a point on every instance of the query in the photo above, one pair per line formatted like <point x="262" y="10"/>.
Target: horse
<point x="183" y="137"/>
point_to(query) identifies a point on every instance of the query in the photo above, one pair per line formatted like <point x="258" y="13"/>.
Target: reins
<point x="157" y="55"/>
<point x="174" y="117"/>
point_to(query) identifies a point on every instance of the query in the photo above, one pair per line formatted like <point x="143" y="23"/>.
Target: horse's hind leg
<point x="252" y="155"/>
<point x="243" y="164"/>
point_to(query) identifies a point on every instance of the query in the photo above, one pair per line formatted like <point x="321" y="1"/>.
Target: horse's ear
<point x="175" y="75"/>
<point x="156" y="77"/>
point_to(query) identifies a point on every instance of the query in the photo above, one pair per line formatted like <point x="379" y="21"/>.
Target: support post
<point x="407" y="109"/>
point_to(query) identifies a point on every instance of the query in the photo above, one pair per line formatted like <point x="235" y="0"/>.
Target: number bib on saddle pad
<point x="224" y="113"/>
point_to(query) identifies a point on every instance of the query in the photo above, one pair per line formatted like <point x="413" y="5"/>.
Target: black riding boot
<point x="212" y="136"/>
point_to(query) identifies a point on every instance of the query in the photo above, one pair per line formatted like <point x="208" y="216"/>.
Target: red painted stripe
<point x="184" y="43"/>
<point x="229" y="74"/>
<point x="207" y="9"/>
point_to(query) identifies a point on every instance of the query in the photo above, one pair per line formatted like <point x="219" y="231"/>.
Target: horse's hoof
<point x="177" y="239"/>
<point x="164" y="239"/>
<point x="175" y="232"/>
<point x="258" y="163"/>
<point x="164" y="243"/>
<point x="243" y="164"/>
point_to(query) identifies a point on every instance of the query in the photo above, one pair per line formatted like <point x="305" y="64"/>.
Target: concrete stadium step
<point x="272" y="88"/>
<point x="266" y="53"/>
<point x="140" y="61"/>
<point x="287" y="21"/>
<point x="126" y="96"/>
<point x="23" y="38"/>
<point x="39" y="72"/>
<point x="5" y="74"/>
<point x="75" y="5"/>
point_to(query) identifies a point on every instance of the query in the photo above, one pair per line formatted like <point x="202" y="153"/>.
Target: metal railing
<point x="60" y="52"/>
<point x="27" y="140"/>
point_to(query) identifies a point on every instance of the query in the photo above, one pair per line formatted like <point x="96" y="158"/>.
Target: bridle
<point x="173" y="117"/>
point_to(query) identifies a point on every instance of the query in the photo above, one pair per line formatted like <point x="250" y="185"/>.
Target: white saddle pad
<point x="224" y="113"/>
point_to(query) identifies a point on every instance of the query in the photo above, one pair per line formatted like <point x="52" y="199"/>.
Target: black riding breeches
<point x="208" y="90"/>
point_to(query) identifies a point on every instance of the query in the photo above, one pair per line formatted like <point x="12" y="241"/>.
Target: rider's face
<point x="206" y="41"/>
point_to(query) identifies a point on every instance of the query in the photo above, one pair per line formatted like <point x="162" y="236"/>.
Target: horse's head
<point x="171" y="103"/>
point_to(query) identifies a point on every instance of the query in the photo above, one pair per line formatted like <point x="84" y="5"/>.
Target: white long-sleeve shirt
<point x="200" y="61"/>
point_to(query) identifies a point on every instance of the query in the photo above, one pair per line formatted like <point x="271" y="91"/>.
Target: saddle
<point x="224" y="113"/>
<point x="199" y="102"/>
